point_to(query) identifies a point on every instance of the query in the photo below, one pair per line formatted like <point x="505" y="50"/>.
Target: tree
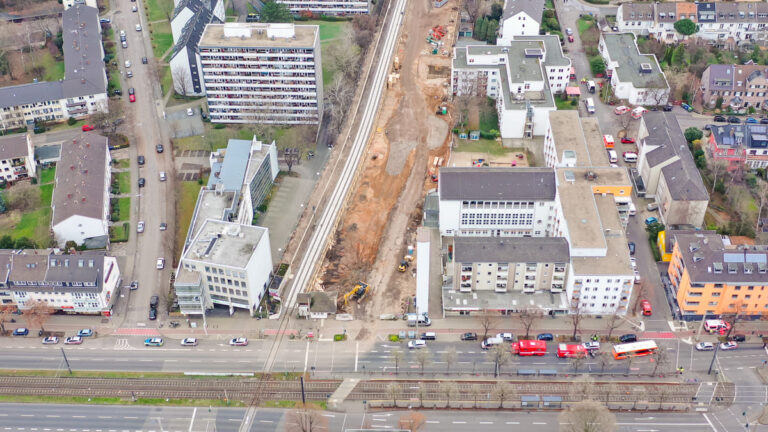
<point x="761" y="194"/>
<point x="449" y="357"/>
<point x="491" y="33"/>
<point x="423" y="357"/>
<point x="640" y="293"/>
<point x="6" y="313"/>
<point x="110" y="119"/>
<point x="3" y="207"/>
<point x="412" y="421"/>
<point x="397" y="356"/>
<point x="577" y="362"/>
<point x="662" y="393"/>
<point x="587" y="416"/>
<point x="476" y="393"/>
<point x="604" y="358"/>
<point x="6" y="242"/>
<point x="660" y="359"/>
<point x="472" y="8"/>
<point x="716" y="168"/>
<point x="610" y="389"/>
<point x="597" y="64"/>
<point x="182" y="80"/>
<point x="734" y="315"/>
<point x="527" y="318"/>
<point x="481" y="27"/>
<point x="486" y="322"/>
<point x="686" y="27"/>
<point x="274" y="12"/>
<point x="692" y="134"/>
<point x="500" y="355"/>
<point x="497" y="9"/>
<point x="23" y="197"/>
<point x="306" y="418"/>
<point x="575" y="319"/>
<point x="363" y="29"/>
<point x="678" y="56"/>
<point x="612" y="323"/>
<point x="450" y="390"/>
<point x="582" y="388"/>
<point x="394" y="391"/>
<point x="502" y="392"/>
<point x="37" y="313"/>
<point x="5" y="64"/>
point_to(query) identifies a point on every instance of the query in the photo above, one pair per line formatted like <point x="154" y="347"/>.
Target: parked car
<point x="626" y="140"/>
<point x="159" y="148"/>
<point x="144" y="60"/>
<point x="87" y="128"/>
<point x="134" y="285"/>
<point x="86" y="332"/>
<point x="469" y="337"/>
<point x="506" y="337"/>
<point x="141" y="160"/>
<point x="568" y="31"/>
<point x="73" y="340"/>
<point x="416" y="344"/>
<point x="239" y="341"/>
<point x="592" y="345"/>
<point x="127" y="63"/>
<point x="652" y="207"/>
<point x="621" y="109"/>
<point x="153" y="342"/>
<point x="545" y="337"/>
<point x="105" y="20"/>
<point x="704" y="346"/>
<point x="134" y="9"/>
<point x="728" y="345"/>
<point x="132" y="98"/>
<point x="153" y="301"/>
<point x="631" y="248"/>
<point x="142" y="182"/>
<point x="668" y="107"/>
<point x="152" y="314"/>
<point x="160" y="263"/>
<point x="50" y="340"/>
<point x="163" y="176"/>
<point x="428" y="336"/>
<point x="138" y="27"/>
<point x="189" y="342"/>
<point x="720" y="119"/>
<point x="190" y="112"/>
<point x="163" y="226"/>
<point x="764" y="121"/>
<point x="118" y="92"/>
<point x="751" y="120"/>
<point x="686" y="107"/>
<point x="627" y="338"/>
<point x="651" y="220"/>
<point x="140" y="227"/>
<point x="734" y="120"/>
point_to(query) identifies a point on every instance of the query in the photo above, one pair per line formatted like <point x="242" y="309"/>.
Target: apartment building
<point x="227" y="264"/>
<point x="635" y="77"/>
<point x="521" y="76"/>
<point x="17" y="158"/>
<point x="327" y="7"/>
<point x="187" y="25"/>
<point x="739" y="86"/>
<point x="573" y="141"/>
<point x="69" y="3"/>
<point x="520" y="18"/>
<point x="262" y="73"/>
<point x="80" y="200"/>
<point x="83" y="283"/>
<point x="669" y="172"/>
<point x="717" y="21"/>
<point x="739" y="144"/>
<point x="712" y="277"/>
<point x="83" y="90"/>
<point x="497" y="202"/>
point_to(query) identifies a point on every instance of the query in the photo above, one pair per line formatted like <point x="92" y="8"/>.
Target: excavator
<point x="357" y="293"/>
<point x="403" y="266"/>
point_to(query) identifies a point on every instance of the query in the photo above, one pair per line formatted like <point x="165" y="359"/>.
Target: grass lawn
<point x="489" y="120"/>
<point x="583" y="24"/>
<point x="564" y="105"/>
<point x="64" y="126"/>
<point x="155" y="9"/>
<point x="122" y="163"/>
<point x="33" y="225"/>
<point x="47" y="175"/>
<point x="330" y="29"/>
<point x="483" y="146"/>
<point x="187" y="194"/>
<point x="167" y="83"/>
<point x="119" y="232"/>
<point x="54" y="70"/>
<point x="124" y="182"/>
<point x="549" y="4"/>
<point x="217" y="138"/>
<point x="114" y="81"/>
<point x="162" y="39"/>
<point x="124" y="206"/>
<point x="232" y="18"/>
<point x="46" y="194"/>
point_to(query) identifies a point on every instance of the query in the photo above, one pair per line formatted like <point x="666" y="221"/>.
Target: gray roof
<point x="668" y="9"/>
<point x="41" y="271"/>
<point x="83" y="63"/>
<point x="623" y="49"/>
<point x="48" y="153"/>
<point x="704" y="255"/>
<point x="638" y="11"/>
<point x="682" y="176"/>
<point x="721" y="77"/>
<point x="13" y="146"/>
<point x="80" y="178"/>
<point x="740" y="135"/>
<point x="319" y="301"/>
<point x="511" y="249"/>
<point x="533" y="8"/>
<point x="497" y="184"/>
<point x="231" y="172"/>
<point x="225" y="243"/>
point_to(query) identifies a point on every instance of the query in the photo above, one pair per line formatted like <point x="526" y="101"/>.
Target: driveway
<point x="180" y="124"/>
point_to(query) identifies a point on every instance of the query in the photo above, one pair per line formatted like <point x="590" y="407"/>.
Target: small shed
<point x="474" y="135"/>
<point x="463" y="135"/>
<point x="572" y="91"/>
<point x="317" y="305"/>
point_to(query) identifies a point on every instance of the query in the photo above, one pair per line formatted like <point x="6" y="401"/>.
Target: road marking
<point x="27" y="415"/>
<point x="266" y="421"/>
<point x="459" y="422"/>
<point x="512" y="423"/>
<point x="105" y="417"/>
<point x="74" y="416"/>
<point x="433" y="421"/>
<point x="486" y="422"/>
<point x="539" y="423"/>
<point x="306" y="358"/>
<point x="357" y="345"/>
<point x="131" y="417"/>
<point x="710" y="423"/>
<point x="192" y="420"/>
<point x="329" y="415"/>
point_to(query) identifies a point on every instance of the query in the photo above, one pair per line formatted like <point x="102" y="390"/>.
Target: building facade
<point x="739" y="145"/>
<point x="83" y="90"/>
<point x="262" y="73"/>
<point x="327" y="7"/>
<point x="713" y="278"/>
<point x="635" y="77"/>
<point x="187" y="25"/>
<point x="17" y="158"/>
<point x="735" y="86"/>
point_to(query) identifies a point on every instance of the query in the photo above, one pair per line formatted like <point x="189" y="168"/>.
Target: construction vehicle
<point x="403" y="265"/>
<point x="357" y="293"/>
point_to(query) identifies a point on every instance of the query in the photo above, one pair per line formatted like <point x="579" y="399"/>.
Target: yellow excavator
<point x="403" y="266"/>
<point x="357" y="293"/>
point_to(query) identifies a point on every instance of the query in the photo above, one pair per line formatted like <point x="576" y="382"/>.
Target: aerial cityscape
<point x="383" y="215"/>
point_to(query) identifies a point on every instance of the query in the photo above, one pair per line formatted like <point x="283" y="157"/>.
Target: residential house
<point x="573" y="141"/>
<point x="287" y="90"/>
<point x="521" y="77"/>
<point x="83" y="90"/>
<point x="712" y="277"/>
<point x="739" y="86"/>
<point x="327" y="7"/>
<point x="635" y="77"/>
<point x="80" y="200"/>
<point x="187" y="25"/>
<point x="637" y="18"/>
<point x="17" y="157"/>
<point x="520" y="18"/>
<point x="739" y="145"/>
<point x="82" y="283"/>
<point x="669" y="172"/>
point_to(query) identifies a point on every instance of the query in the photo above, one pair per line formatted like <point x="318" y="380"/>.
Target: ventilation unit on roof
<point x="534" y="52"/>
<point x="590" y="175"/>
<point x="645" y="68"/>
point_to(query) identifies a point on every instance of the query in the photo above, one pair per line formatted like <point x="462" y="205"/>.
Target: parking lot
<point x="181" y="125"/>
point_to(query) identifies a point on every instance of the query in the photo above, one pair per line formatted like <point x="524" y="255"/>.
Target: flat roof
<point x="490" y="300"/>
<point x="224" y="243"/>
<point x="616" y="259"/>
<point x="484" y="183"/>
<point x="211" y="204"/>
<point x="231" y="172"/>
<point x="511" y="249"/>
<point x="213" y="36"/>
<point x="622" y="49"/>
<point x="594" y="139"/>
<point x="565" y="133"/>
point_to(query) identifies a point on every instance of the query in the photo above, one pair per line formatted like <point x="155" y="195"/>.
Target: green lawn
<point x="54" y="70"/>
<point x="187" y="198"/>
<point x="155" y="9"/>
<point x="46" y="194"/>
<point x="489" y="120"/>
<point x="167" y="83"/>
<point x="47" y="175"/>
<point x="483" y="146"/>
<point x="124" y="207"/>
<point x="330" y="29"/>
<point x="34" y="225"/>
<point x="64" y="126"/>
<point x="564" y="105"/>
<point x="162" y="39"/>
<point x="119" y="232"/>
<point x="232" y="18"/>
<point x="583" y="24"/>
<point x="122" y="163"/>
<point x="217" y="138"/>
<point x="124" y="182"/>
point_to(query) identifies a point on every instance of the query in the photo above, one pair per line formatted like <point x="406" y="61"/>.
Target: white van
<point x="590" y="105"/>
<point x="630" y="157"/>
<point x="491" y="341"/>
<point x="612" y="156"/>
<point x="712" y="325"/>
<point x="632" y="209"/>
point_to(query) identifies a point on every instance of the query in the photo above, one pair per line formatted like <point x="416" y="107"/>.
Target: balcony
<point x="556" y="288"/>
<point x="76" y="104"/>
<point x="466" y="269"/>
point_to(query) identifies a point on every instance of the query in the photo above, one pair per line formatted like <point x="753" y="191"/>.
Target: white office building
<point x="327" y="7"/>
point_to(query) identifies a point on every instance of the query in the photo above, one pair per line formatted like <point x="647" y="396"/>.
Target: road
<point x="84" y="418"/>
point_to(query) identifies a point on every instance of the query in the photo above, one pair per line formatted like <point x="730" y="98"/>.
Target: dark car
<point x="159" y="148"/>
<point x="144" y="60"/>
<point x="764" y="121"/>
<point x="720" y="119"/>
<point x="140" y="160"/>
<point x="118" y="92"/>
<point x="545" y="337"/>
<point x="142" y="182"/>
<point x="631" y="248"/>
<point x="469" y="337"/>
<point x="627" y="338"/>
<point x="152" y="314"/>
<point x="738" y="338"/>
<point x="734" y="120"/>
<point x="131" y="91"/>
<point x="667" y="107"/>
<point x="153" y="301"/>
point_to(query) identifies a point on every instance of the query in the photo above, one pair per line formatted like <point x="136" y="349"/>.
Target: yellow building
<point x="712" y="277"/>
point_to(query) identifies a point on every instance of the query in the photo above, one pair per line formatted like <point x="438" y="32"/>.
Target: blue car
<point x="85" y="332"/>
<point x="651" y="220"/>
<point x="21" y="331"/>
<point x="153" y="342"/>
<point x="545" y="337"/>
<point x="686" y="107"/>
<point x="751" y="120"/>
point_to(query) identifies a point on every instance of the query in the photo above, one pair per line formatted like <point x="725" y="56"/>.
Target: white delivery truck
<point x="590" y="105"/>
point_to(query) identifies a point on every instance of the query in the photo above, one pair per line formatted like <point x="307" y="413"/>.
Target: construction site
<point x="371" y="259"/>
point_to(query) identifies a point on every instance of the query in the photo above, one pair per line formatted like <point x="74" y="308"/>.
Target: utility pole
<point x="65" y="360"/>
<point x="303" y="396"/>
<point x="714" y="356"/>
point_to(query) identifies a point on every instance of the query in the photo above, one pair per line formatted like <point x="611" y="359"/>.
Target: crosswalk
<point x="122" y="344"/>
<point x="706" y="392"/>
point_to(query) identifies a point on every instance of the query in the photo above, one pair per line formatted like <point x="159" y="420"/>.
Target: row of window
<point x="230" y="291"/>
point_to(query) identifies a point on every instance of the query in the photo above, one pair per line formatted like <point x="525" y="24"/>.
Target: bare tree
<point x="37" y="313"/>
<point x="423" y="357"/>
<point x="577" y="362"/>
<point x="6" y="313"/>
<point x="109" y="119"/>
<point x="575" y="319"/>
<point x="344" y="57"/>
<point x="182" y="80"/>
<point x="604" y="358"/>
<point x="610" y="389"/>
<point x="394" y="391"/>
<point x="527" y="318"/>
<point x="612" y="323"/>
<point x="582" y="388"/>
<point x="658" y="92"/>
<point x="734" y="316"/>
<point x="397" y="357"/>
<point x="338" y="98"/>
<point x="306" y="418"/>
<point x="662" y="393"/>
<point x="449" y="357"/>
<point x="762" y="191"/>
<point x="660" y="359"/>
<point x="472" y="8"/>
<point x="423" y="392"/>
<point x="502" y="392"/>
<point x="587" y="416"/>
<point x="486" y="322"/>
<point x="717" y="167"/>
<point x="501" y="356"/>
<point x="624" y="120"/>
<point x="412" y="421"/>
<point x="475" y="392"/>
<point x="450" y="390"/>
<point x="467" y="89"/>
<point x="640" y="293"/>
<point x="363" y="29"/>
